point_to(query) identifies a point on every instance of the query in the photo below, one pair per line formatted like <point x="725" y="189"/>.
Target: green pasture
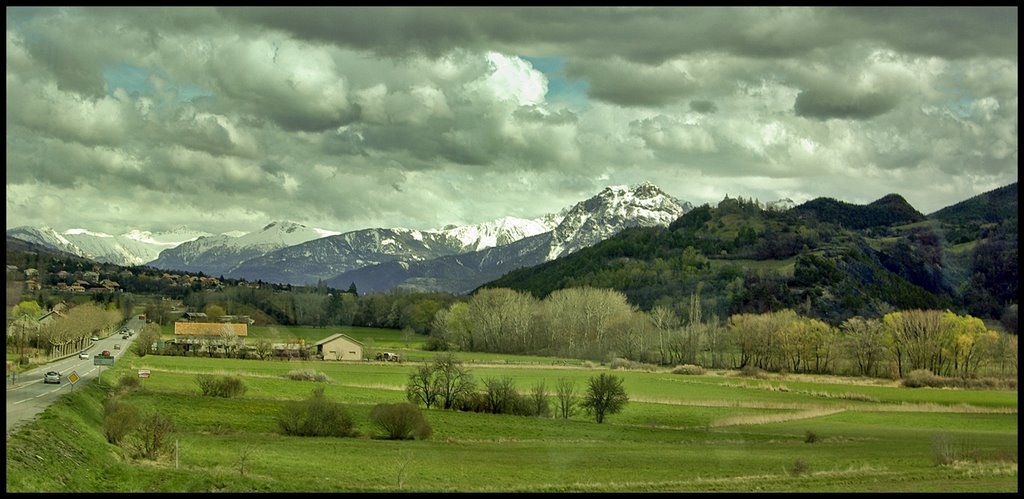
<point x="715" y="432"/>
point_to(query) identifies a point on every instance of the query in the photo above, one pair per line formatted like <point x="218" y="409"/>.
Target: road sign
<point x="100" y="360"/>
<point x="143" y="373"/>
<point x="73" y="377"/>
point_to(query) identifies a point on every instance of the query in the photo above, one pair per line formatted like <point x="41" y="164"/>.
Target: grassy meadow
<point x="713" y="432"/>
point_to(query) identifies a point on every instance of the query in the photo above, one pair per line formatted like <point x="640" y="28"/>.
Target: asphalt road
<point x="28" y="396"/>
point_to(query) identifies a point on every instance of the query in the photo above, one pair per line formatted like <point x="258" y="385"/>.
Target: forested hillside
<point x="827" y="259"/>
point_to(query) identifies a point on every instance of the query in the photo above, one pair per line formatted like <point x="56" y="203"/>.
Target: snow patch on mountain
<point x="611" y="210"/>
<point x="220" y="254"/>
<point x="80" y="232"/>
<point x="498" y="232"/>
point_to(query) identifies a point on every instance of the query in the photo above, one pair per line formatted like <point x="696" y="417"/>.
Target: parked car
<point x="52" y="377"/>
<point x="95" y="338"/>
<point x="83" y="355"/>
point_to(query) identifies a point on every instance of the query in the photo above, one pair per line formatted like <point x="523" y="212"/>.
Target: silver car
<point x="52" y="377"/>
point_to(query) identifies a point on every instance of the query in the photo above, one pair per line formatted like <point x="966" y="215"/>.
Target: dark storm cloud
<point x="703" y="106"/>
<point x="626" y="84"/>
<point x="952" y="32"/>
<point x="825" y="104"/>
<point x="314" y="114"/>
<point x="644" y="34"/>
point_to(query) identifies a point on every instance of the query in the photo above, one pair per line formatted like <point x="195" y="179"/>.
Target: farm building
<point x="183" y="329"/>
<point x="193" y="335"/>
<point x="195" y="316"/>
<point x="339" y="347"/>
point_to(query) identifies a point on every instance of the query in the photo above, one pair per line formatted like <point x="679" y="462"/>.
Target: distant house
<point x="76" y="288"/>
<point x="50" y="316"/>
<point x="339" y="347"/>
<point x="237" y="318"/>
<point x="195" y="317"/>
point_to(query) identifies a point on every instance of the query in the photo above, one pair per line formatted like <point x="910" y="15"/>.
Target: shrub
<point x="473" y="402"/>
<point x="500" y="395"/>
<point x="220" y="386"/>
<point x="619" y="363"/>
<point x="752" y="372"/>
<point x="811" y="437"/>
<point x="949" y="450"/>
<point x="152" y="438"/>
<point x="309" y="375"/>
<point x="316" y="416"/>
<point x="127" y="382"/>
<point x="119" y="419"/>
<point x="688" y="369"/>
<point x="402" y="421"/>
<point x="799" y="467"/>
<point x="632" y="365"/>
<point x="921" y="378"/>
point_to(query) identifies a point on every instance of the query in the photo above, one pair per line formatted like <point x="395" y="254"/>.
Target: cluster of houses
<point x="89" y="281"/>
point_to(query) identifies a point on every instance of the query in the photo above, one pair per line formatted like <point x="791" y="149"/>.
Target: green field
<point x="715" y="432"/>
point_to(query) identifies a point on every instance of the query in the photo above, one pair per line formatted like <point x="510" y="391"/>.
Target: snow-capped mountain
<point x="613" y="209"/>
<point x="220" y="254"/>
<point x="324" y="258"/>
<point x="458" y="273"/>
<point x="582" y="225"/>
<point x="132" y="248"/>
<point x="453" y="258"/>
<point x="44" y="236"/>
<point x="166" y="239"/>
<point x="505" y="230"/>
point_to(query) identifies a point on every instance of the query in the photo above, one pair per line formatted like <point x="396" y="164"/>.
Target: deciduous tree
<point x="605" y="396"/>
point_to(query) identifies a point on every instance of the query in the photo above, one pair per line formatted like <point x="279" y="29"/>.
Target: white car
<point x="83" y="355"/>
<point x="52" y="377"/>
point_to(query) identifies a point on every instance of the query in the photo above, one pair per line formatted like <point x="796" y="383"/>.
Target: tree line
<point x="599" y="324"/>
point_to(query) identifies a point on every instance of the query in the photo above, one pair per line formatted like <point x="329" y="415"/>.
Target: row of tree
<point x="66" y="332"/>
<point x="447" y="384"/>
<point x="600" y="324"/>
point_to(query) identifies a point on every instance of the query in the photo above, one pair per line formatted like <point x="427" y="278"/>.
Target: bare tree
<point x="565" y="394"/>
<point x="454" y="381"/>
<point x="423" y="386"/>
<point x="263" y="348"/>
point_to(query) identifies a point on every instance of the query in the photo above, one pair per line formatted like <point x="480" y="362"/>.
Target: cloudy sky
<point x="345" y="118"/>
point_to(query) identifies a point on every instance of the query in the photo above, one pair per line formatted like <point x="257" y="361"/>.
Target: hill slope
<point x="742" y="258"/>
